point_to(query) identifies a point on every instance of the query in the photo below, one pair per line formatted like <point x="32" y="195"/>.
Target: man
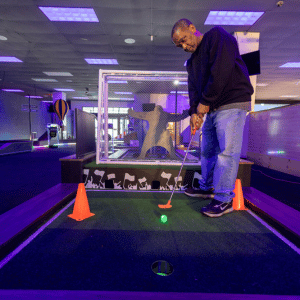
<point x="220" y="88"/>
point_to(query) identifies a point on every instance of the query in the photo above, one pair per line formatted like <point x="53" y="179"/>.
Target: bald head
<point x="180" y="24"/>
<point x="185" y="35"/>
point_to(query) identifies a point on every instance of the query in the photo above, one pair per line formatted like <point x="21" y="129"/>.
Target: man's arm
<point x="193" y="96"/>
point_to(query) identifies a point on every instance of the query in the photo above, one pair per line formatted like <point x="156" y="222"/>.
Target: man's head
<point x="185" y="35"/>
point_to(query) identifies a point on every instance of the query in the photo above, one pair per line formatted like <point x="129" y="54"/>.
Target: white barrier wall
<point x="274" y="139"/>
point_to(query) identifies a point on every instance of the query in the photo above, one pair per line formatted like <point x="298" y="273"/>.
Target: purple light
<point x="9" y="59"/>
<point x="96" y="61"/>
<point x="232" y="17"/>
<point x="69" y="14"/>
<point x="291" y="65"/>
<point x="10" y="90"/>
<point x="179" y="92"/>
<point x="65" y="90"/>
<point x="117" y="81"/>
<point x="36" y="97"/>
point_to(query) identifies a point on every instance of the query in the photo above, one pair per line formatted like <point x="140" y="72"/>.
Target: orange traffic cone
<point x="81" y="209"/>
<point x="238" y="200"/>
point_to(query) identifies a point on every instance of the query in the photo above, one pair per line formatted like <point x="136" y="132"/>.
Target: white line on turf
<point x="34" y="235"/>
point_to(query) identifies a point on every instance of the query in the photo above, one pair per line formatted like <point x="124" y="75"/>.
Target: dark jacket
<point x="217" y="75"/>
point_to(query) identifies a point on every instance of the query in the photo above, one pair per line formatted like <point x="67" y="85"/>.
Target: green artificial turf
<point x="115" y="249"/>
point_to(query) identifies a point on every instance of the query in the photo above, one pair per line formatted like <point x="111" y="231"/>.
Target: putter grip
<point x="194" y="131"/>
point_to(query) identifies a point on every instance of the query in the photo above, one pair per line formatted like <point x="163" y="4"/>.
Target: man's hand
<point x="202" y="110"/>
<point x="195" y="122"/>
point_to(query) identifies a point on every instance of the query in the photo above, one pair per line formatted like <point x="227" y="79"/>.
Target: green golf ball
<point x="164" y="219"/>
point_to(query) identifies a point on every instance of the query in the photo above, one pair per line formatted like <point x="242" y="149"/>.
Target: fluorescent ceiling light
<point x="35" y="97"/>
<point x="232" y="17"/>
<point x="179" y="92"/>
<point x="65" y="90"/>
<point x="11" y="90"/>
<point x="183" y="83"/>
<point x="125" y="99"/>
<point x="123" y="93"/>
<point x="97" y="61"/>
<point x="291" y="65"/>
<point x="289" y="96"/>
<point x="3" y="38"/>
<point x="261" y="84"/>
<point x="129" y="41"/>
<point x="58" y="73"/>
<point x="44" y="79"/>
<point x="9" y="59"/>
<point x="80" y="97"/>
<point x="117" y="81"/>
<point x="70" y="14"/>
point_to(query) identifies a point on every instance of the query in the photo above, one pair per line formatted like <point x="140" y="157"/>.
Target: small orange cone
<point x="238" y="200"/>
<point x="81" y="209"/>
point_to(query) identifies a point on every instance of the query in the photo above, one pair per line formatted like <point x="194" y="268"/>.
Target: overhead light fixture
<point x="129" y="41"/>
<point x="65" y="90"/>
<point x="123" y="93"/>
<point x="179" y="92"/>
<point x="291" y="65"/>
<point x="34" y="97"/>
<point x="12" y="90"/>
<point x="232" y="17"/>
<point x="58" y="73"/>
<point x="176" y="82"/>
<point x="289" y="96"/>
<point x="3" y="38"/>
<point x="121" y="99"/>
<point x="80" y="97"/>
<point x="44" y="79"/>
<point x="261" y="84"/>
<point x="97" y="61"/>
<point x="69" y="14"/>
<point x="117" y="81"/>
<point x="69" y="80"/>
<point x="183" y="83"/>
<point x="9" y="59"/>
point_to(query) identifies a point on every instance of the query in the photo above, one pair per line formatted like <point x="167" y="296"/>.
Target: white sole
<point x="219" y="215"/>
<point x="211" y="196"/>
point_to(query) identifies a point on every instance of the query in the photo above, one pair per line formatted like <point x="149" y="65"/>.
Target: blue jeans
<point x="222" y="137"/>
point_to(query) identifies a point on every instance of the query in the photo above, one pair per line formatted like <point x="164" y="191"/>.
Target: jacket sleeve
<point x="194" y="98"/>
<point x="222" y="57"/>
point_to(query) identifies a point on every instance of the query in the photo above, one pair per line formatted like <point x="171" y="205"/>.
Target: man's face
<point x="185" y="39"/>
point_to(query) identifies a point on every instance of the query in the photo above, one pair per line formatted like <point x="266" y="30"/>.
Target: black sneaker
<point x="217" y="208"/>
<point x="199" y="193"/>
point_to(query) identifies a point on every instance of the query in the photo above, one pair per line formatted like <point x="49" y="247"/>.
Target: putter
<point x="168" y="205"/>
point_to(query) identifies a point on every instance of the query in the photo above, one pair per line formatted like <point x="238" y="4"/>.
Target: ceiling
<point x="46" y="46"/>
